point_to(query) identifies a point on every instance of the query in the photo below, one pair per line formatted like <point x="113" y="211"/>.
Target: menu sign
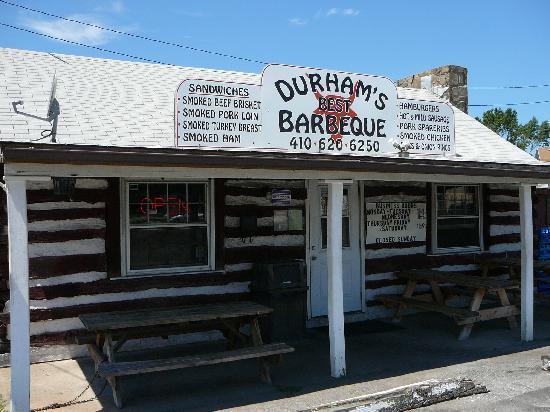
<point x="217" y="114"/>
<point x="395" y="222"/>
<point x="427" y="126"/>
<point x="327" y="111"/>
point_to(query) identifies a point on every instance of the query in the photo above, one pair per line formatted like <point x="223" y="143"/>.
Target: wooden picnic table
<point x="513" y="264"/>
<point x="113" y="329"/>
<point x="475" y="286"/>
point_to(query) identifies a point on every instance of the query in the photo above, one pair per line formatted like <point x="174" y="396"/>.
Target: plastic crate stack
<point x="543" y="279"/>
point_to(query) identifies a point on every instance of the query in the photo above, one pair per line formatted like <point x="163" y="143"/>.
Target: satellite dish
<point x="52" y="114"/>
<point x="53" y="104"/>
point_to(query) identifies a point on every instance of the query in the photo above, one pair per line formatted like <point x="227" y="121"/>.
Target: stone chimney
<point x="448" y="82"/>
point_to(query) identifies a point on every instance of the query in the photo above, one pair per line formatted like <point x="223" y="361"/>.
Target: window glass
<point x="168" y="225"/>
<point x="166" y="247"/>
<point x="345" y="217"/>
<point x="458" y="217"/>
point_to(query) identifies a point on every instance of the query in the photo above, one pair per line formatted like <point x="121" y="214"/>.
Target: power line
<point x="509" y="104"/>
<point x="86" y="45"/>
<point x="137" y="36"/>
<point x="533" y="86"/>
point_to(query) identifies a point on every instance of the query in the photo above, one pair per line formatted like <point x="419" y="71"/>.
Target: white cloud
<point x="115" y="6"/>
<point x="72" y="31"/>
<point x="297" y="21"/>
<point x="349" y="12"/>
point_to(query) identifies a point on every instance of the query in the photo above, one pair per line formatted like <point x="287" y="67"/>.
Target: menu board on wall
<point x="217" y="114"/>
<point x="395" y="222"/>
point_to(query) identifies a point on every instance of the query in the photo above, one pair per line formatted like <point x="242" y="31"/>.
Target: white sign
<point x="395" y="222"/>
<point x="217" y="114"/>
<point x="428" y="126"/>
<point x="324" y="111"/>
<point x="281" y="197"/>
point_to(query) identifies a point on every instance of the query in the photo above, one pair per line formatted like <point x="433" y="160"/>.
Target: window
<point x="457" y="218"/>
<point x="345" y="217"/>
<point x="167" y="227"/>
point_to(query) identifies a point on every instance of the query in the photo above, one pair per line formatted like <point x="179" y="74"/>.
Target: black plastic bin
<point x="281" y="286"/>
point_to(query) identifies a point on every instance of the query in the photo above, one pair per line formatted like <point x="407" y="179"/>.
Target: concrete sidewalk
<point x="423" y="347"/>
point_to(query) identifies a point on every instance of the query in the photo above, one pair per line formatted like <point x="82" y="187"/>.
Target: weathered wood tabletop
<point x="107" y="321"/>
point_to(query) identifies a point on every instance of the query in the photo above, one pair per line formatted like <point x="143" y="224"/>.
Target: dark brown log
<point x="422" y="261"/>
<point x="508" y="238"/>
<point x="486" y="229"/>
<point x="51" y="266"/>
<point x="259" y="211"/>
<point x="296" y="193"/>
<point x="504" y="220"/>
<point x="235" y="232"/>
<point x="66" y="235"/>
<point x="135" y="284"/>
<point x="371" y="191"/>
<point x="65" y="214"/>
<point x="74" y="311"/>
<point x="504" y="192"/>
<point x="378" y="246"/>
<point x="80" y="195"/>
<point x="264" y="254"/>
<point x="112" y="221"/>
<point x="219" y="202"/>
<point x="504" y="206"/>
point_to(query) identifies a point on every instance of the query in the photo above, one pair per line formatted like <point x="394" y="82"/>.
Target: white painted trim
<point x="19" y="294"/>
<point x="33" y="171"/>
<point x="362" y="245"/>
<point x="335" y="281"/>
<point x="527" y="297"/>
<point x="125" y="230"/>
<point x="309" y="183"/>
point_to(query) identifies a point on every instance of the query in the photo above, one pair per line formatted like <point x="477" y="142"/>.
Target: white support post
<point x="335" y="283"/>
<point x="19" y="294"/>
<point x="526" y="222"/>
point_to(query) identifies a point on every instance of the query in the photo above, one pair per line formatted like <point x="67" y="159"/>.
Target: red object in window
<point x="174" y="205"/>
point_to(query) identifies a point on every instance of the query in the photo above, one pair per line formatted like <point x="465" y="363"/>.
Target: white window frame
<point x="125" y="229"/>
<point x="434" y="219"/>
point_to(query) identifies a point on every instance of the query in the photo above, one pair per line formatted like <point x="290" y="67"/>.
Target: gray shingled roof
<point x="120" y="103"/>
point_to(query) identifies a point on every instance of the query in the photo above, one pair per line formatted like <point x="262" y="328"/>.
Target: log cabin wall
<point x="71" y="273"/>
<point x="252" y="198"/>
<point x="500" y="228"/>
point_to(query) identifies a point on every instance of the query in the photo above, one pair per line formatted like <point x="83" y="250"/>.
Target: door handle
<point x="314" y="258"/>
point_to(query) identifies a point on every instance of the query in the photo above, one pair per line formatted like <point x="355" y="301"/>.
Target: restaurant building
<point x="118" y="205"/>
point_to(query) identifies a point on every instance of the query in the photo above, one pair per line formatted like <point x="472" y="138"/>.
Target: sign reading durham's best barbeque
<point x="395" y="222"/>
<point x="308" y="110"/>
<point x="325" y="111"/>
<point x="217" y="114"/>
<point x="428" y="126"/>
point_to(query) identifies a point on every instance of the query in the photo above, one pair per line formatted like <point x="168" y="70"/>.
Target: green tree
<point x="527" y="136"/>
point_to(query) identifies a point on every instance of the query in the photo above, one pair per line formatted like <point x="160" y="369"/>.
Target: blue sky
<point x="500" y="42"/>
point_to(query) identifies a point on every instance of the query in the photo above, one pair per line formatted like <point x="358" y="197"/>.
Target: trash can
<point x="281" y="286"/>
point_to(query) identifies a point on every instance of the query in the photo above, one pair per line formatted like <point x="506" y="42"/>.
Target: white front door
<point x="351" y="256"/>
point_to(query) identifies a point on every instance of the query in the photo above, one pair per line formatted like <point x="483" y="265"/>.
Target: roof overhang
<point x="110" y="158"/>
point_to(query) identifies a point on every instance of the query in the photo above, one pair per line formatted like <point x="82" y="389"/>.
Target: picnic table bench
<point x="477" y="286"/>
<point x="113" y="329"/>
